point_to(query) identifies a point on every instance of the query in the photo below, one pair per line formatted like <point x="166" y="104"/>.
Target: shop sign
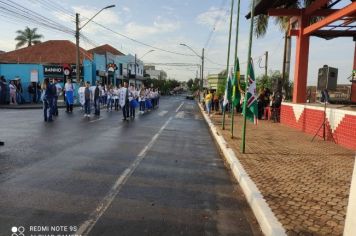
<point x="53" y="70"/>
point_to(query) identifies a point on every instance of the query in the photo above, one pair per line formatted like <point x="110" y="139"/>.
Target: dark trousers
<point x="97" y="106"/>
<point x="55" y="106"/>
<point x="125" y="110"/>
<point x="48" y="109"/>
<point x="132" y="111"/>
<point x="69" y="107"/>
<point x="87" y="106"/>
<point x="142" y="105"/>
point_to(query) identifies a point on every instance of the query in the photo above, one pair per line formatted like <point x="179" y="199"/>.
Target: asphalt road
<point x="160" y="174"/>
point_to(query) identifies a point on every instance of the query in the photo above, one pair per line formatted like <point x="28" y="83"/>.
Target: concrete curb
<point x="268" y="222"/>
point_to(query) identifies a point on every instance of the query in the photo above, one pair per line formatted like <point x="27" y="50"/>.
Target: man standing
<point x="124" y="101"/>
<point x="87" y="94"/>
<point x="97" y="99"/>
<point x="50" y="93"/>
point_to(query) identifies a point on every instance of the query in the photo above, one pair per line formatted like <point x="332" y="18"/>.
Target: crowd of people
<point x="11" y="92"/>
<point x="268" y="104"/>
<point x="95" y="97"/>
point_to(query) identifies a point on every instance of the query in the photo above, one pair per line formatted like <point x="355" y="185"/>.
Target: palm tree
<point x="260" y="29"/>
<point x="27" y="36"/>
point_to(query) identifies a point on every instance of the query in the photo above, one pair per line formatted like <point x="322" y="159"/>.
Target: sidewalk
<point x="306" y="184"/>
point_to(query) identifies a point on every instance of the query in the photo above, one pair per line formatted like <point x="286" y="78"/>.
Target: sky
<point x="166" y="24"/>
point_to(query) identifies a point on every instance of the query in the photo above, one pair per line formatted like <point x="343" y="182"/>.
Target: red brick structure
<point x="307" y="118"/>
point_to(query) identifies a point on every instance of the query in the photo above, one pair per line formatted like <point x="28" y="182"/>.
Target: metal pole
<point x="247" y="75"/>
<point x="202" y="74"/>
<point x="235" y="59"/>
<point x="135" y="68"/>
<point x="266" y="63"/>
<point x="228" y="57"/>
<point x="284" y="62"/>
<point x="77" y="47"/>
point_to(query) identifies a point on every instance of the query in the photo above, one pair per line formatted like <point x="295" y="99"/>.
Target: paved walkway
<point x="306" y="184"/>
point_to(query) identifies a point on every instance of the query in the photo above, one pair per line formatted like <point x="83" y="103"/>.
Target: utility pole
<point x="202" y="74"/>
<point x="135" y="68"/>
<point x="77" y="44"/>
<point x="266" y="63"/>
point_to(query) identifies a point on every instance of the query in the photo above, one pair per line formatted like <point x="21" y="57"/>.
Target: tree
<point x="190" y="83"/>
<point x="27" y="36"/>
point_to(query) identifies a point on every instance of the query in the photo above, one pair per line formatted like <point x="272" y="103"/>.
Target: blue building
<point x="57" y="59"/>
<point x="45" y="60"/>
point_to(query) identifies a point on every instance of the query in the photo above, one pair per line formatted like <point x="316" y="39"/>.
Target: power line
<point x="122" y="35"/>
<point x="217" y="21"/>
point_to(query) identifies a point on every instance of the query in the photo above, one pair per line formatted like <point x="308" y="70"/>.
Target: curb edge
<point x="268" y="222"/>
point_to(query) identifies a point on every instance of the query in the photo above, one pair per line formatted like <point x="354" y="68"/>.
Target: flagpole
<point x="228" y="58"/>
<point x="234" y="87"/>
<point x="246" y="77"/>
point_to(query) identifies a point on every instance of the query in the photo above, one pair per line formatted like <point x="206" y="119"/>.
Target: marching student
<point x="109" y="97"/>
<point x="132" y="101"/>
<point x="141" y="99"/>
<point x="116" y="98"/>
<point x="69" y="92"/>
<point x="124" y="101"/>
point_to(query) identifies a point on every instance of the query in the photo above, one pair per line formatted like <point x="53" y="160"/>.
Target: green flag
<point x="236" y="96"/>
<point x="251" y="112"/>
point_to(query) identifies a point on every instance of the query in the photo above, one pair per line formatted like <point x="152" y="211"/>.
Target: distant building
<point x="342" y="93"/>
<point x="155" y="74"/>
<point x="2" y="52"/>
<point x="215" y="80"/>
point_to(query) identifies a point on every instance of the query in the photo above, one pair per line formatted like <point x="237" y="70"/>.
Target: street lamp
<point x="77" y="30"/>
<point x="146" y="53"/>
<point x="202" y="66"/>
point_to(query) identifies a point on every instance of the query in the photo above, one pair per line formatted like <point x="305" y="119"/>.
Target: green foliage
<point x="190" y="83"/>
<point x="165" y="86"/>
<point x="27" y="36"/>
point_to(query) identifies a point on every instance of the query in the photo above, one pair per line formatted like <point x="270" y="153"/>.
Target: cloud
<point x="159" y="25"/>
<point x="213" y="15"/>
<point x="126" y="9"/>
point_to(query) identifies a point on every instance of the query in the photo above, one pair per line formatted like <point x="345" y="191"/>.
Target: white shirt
<point x="122" y="96"/>
<point x="69" y="87"/>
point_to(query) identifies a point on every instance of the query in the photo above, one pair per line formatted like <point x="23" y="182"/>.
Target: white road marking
<point x="92" y="121"/>
<point x="180" y="106"/>
<point x="162" y="113"/>
<point x="180" y="115"/>
<point x="88" y="225"/>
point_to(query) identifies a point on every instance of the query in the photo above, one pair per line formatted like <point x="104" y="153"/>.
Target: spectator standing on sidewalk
<point x="32" y="92"/>
<point x="208" y="101"/>
<point x="12" y="92"/>
<point x="69" y="91"/>
<point x="20" y="98"/>
<point x="3" y="89"/>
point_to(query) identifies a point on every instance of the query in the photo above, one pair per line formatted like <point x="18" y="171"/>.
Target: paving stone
<point x="302" y="181"/>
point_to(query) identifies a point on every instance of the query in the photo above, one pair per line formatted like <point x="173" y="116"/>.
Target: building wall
<point x="340" y="124"/>
<point x="22" y="71"/>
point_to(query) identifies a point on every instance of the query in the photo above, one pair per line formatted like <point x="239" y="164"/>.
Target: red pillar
<point x="301" y="63"/>
<point x="353" y="84"/>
